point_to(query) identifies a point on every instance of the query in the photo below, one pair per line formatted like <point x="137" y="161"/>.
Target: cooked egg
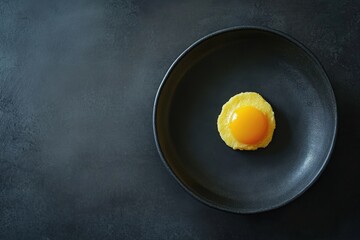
<point x="246" y="122"/>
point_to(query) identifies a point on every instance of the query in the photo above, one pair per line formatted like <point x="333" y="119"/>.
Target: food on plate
<point x="246" y="122"/>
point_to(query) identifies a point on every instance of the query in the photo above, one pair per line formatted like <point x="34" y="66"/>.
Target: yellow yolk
<point x="248" y="125"/>
<point x="246" y="122"/>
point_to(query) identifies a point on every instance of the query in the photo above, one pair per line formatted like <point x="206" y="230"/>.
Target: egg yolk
<point x="248" y="125"/>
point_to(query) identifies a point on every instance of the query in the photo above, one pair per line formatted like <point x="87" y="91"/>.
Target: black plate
<point x="204" y="77"/>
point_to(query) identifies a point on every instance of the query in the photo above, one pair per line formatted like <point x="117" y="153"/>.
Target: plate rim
<point x="206" y="201"/>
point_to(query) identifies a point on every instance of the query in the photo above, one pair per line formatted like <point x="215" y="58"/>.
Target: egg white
<point x="240" y="100"/>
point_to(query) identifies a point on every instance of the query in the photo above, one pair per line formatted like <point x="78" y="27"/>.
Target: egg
<point x="246" y="122"/>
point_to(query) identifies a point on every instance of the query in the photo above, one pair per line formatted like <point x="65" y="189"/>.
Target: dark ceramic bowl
<point x="204" y="77"/>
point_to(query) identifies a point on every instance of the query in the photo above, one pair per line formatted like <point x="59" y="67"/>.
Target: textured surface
<point x="77" y="84"/>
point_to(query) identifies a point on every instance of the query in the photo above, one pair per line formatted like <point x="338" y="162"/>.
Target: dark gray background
<point x="77" y="155"/>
